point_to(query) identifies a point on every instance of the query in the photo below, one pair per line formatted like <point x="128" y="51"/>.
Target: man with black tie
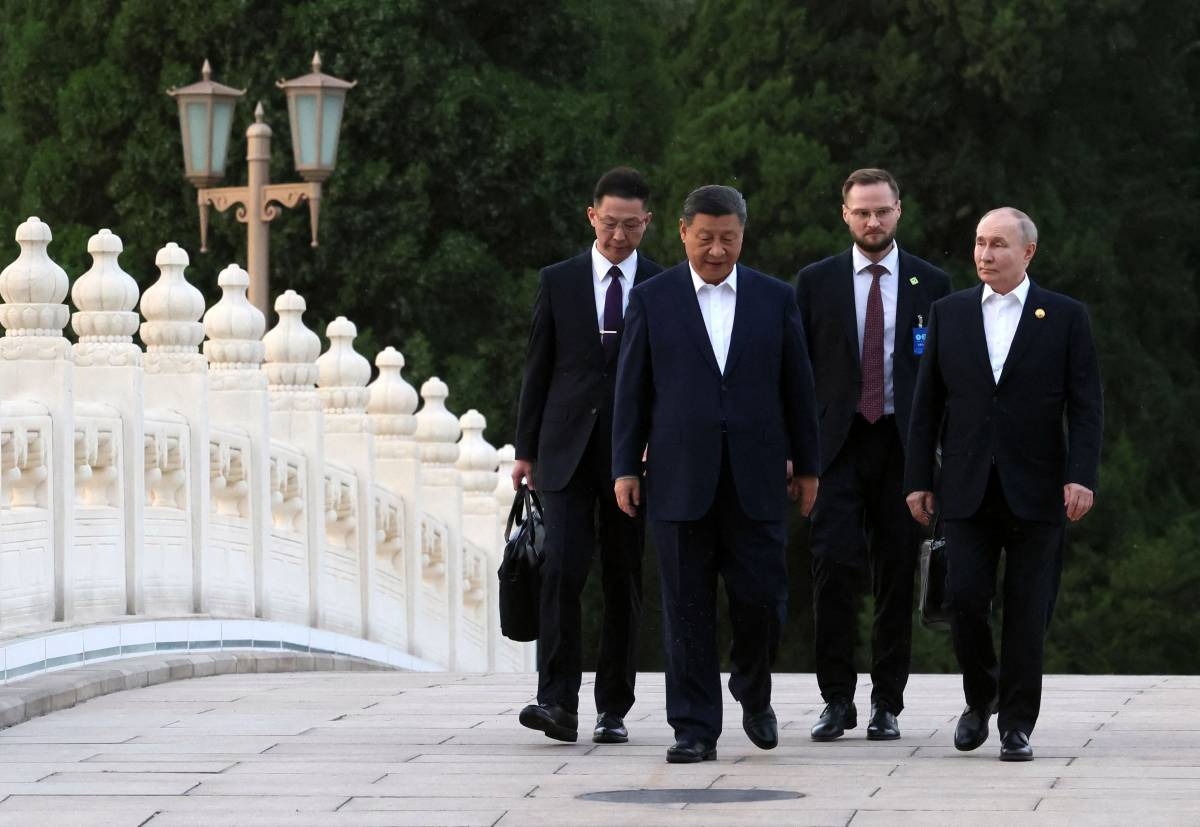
<point x="715" y="386"/>
<point x="564" y="447"/>
<point x="1010" y="386"/>
<point x="864" y="313"/>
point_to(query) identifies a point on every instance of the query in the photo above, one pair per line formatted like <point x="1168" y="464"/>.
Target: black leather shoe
<point x="610" y="729"/>
<point x="1014" y="746"/>
<point x="551" y="719"/>
<point x="762" y="728"/>
<point x="972" y="729"/>
<point x="690" y="751"/>
<point x="883" y="726"/>
<point x="836" y="718"/>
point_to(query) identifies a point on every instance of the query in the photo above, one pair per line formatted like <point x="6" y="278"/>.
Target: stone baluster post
<point x="238" y="399"/>
<point x="176" y="379"/>
<point x="108" y="370"/>
<point x="297" y="418"/>
<point x="441" y="495"/>
<point x="342" y="380"/>
<point x="391" y="404"/>
<point x="36" y="363"/>
<point x="476" y="464"/>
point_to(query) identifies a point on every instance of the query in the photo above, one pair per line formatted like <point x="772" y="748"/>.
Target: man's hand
<point x="804" y="491"/>
<point x="522" y="468"/>
<point x="629" y="494"/>
<point x="1078" y="501"/>
<point x="920" y="504"/>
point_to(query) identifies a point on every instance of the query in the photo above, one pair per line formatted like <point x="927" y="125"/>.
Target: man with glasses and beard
<point x="864" y="313"/>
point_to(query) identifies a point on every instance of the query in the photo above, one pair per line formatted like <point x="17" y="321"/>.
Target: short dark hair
<point x="622" y="182"/>
<point x="871" y="175"/>
<point x="716" y="200"/>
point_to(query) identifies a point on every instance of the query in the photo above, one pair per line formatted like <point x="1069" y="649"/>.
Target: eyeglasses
<point x="629" y="225"/>
<point x="882" y="214"/>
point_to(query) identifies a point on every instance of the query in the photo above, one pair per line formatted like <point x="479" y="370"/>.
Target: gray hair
<point x="1028" y="230"/>
<point x="715" y="200"/>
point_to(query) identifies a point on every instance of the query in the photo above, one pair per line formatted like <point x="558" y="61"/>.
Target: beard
<point x="874" y="244"/>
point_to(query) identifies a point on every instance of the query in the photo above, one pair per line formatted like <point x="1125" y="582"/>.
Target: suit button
<point x="594" y="411"/>
<point x="724" y="388"/>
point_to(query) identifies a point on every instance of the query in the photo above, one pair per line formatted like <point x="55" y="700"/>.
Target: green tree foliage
<point x="479" y="126"/>
<point x="1081" y="113"/>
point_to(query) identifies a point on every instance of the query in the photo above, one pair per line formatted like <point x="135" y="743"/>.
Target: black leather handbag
<point x="520" y="569"/>
<point x="933" y="611"/>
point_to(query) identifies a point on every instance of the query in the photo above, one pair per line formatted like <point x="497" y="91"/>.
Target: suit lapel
<point x="843" y="304"/>
<point x="741" y="319"/>
<point x="1025" y="333"/>
<point x="692" y="318"/>
<point x="584" y="300"/>
<point x="905" y="299"/>
<point x="976" y="338"/>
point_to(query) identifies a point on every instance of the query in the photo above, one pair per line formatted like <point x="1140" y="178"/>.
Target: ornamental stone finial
<point x="33" y="288"/>
<point x="476" y="458"/>
<point x="172" y="307"/>
<point x="342" y="372"/>
<point x="437" y="428"/>
<point x="506" y="455"/>
<point x="291" y="349"/>
<point x="106" y="296"/>
<point x="391" y="400"/>
<point x="234" y="328"/>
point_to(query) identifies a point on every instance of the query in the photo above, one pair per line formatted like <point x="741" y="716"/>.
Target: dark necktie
<point x="614" y="323"/>
<point x="870" y="403"/>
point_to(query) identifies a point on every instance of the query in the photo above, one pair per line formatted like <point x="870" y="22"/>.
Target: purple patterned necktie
<point x="870" y="403"/>
<point x="614" y="323"/>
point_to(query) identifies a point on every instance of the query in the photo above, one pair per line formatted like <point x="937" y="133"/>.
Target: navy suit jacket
<point x="672" y="398"/>
<point x="825" y="295"/>
<point x="1040" y="424"/>
<point x="567" y="390"/>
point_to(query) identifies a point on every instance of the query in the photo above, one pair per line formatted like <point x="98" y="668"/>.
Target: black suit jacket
<point x="1040" y="424"/>
<point x="825" y="296"/>
<point x="567" y="390"/>
<point x="672" y="396"/>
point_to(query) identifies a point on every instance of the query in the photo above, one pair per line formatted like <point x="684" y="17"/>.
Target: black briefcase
<point x="520" y="569"/>
<point x="933" y="611"/>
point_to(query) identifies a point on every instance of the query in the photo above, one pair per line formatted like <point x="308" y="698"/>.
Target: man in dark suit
<point x="1011" y="387"/>
<point x="715" y="386"/>
<point x="864" y="311"/>
<point x="564" y="447"/>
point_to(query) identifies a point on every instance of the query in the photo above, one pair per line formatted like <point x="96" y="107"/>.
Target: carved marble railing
<point x="255" y="478"/>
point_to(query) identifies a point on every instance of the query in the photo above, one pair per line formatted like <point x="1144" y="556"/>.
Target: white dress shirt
<point x="600" y="281"/>
<point x="717" y="305"/>
<point x="889" y="289"/>
<point x="1000" y="317"/>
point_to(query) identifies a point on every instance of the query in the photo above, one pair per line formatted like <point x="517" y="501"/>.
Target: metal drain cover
<point x="686" y="796"/>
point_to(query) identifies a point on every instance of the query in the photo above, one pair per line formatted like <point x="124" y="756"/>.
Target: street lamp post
<point x="316" y="102"/>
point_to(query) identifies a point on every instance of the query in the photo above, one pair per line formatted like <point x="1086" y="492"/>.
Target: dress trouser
<point x="578" y="516"/>
<point x="749" y="556"/>
<point x="1032" y="568"/>
<point x="861" y="518"/>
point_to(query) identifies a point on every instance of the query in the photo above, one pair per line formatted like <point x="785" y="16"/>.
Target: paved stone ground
<point x="370" y="748"/>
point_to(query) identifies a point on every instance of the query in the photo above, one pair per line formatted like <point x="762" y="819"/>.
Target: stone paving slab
<point x="363" y="749"/>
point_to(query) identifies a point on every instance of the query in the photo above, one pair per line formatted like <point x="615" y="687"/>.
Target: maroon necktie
<point x="870" y="403"/>
<point x="614" y="323"/>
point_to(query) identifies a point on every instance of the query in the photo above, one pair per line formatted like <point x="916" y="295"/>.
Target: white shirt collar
<point x="1020" y="291"/>
<point x="698" y="282"/>
<point x="601" y="265"/>
<point x="891" y="261"/>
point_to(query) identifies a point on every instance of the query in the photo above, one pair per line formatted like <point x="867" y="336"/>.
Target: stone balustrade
<point x="228" y="471"/>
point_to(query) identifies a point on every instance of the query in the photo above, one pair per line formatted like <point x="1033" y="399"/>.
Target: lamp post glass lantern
<point x="205" y="122"/>
<point x="316" y="102"/>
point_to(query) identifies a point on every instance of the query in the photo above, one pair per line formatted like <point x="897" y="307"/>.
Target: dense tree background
<point x="479" y="126"/>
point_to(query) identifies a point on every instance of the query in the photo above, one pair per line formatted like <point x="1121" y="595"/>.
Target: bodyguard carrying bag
<point x="934" y="614"/>
<point x="520" y="576"/>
